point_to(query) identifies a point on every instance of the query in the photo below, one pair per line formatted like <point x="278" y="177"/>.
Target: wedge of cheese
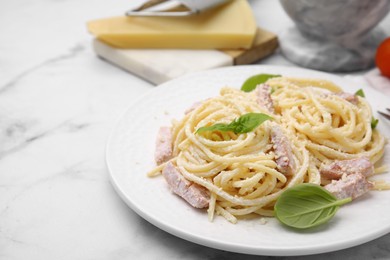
<point x="231" y="25"/>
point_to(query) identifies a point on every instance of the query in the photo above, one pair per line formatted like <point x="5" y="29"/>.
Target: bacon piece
<point x="336" y="169"/>
<point x="349" y="97"/>
<point x="163" y="150"/>
<point x="264" y="99"/>
<point x="194" y="194"/>
<point x="283" y="151"/>
<point x="353" y="185"/>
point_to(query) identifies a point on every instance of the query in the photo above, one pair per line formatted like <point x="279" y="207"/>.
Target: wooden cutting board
<point x="158" y="66"/>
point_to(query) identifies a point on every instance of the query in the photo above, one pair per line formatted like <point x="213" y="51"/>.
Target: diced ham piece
<point x="283" y="151"/>
<point x="336" y="169"/>
<point x="264" y="99"/>
<point x="349" y="97"/>
<point x="193" y="107"/>
<point x="163" y="150"/>
<point x="353" y="185"/>
<point x="193" y="193"/>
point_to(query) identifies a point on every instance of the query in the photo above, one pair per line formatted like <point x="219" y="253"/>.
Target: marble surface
<point x="158" y="66"/>
<point x="317" y="54"/>
<point x="58" y="103"/>
<point x="333" y="35"/>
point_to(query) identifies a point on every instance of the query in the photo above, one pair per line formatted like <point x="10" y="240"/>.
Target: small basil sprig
<point x="374" y="122"/>
<point x="360" y="93"/>
<point x="306" y="205"/>
<point x="252" y="82"/>
<point x="244" y="124"/>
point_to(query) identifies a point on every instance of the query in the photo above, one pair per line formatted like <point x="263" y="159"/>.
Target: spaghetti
<point x="333" y="124"/>
<point x="241" y="171"/>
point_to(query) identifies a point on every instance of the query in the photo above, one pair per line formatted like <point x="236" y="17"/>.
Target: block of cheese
<point x="231" y="25"/>
<point x="161" y="65"/>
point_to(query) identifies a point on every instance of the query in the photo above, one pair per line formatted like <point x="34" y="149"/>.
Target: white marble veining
<point x="58" y="102"/>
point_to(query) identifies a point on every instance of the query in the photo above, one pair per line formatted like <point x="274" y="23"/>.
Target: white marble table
<point x="58" y="102"/>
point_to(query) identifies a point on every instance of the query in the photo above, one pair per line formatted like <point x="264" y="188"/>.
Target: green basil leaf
<point x="360" y="93"/>
<point x="252" y="82"/>
<point x="306" y="205"/>
<point x="244" y="124"/>
<point x="219" y="127"/>
<point x="374" y="122"/>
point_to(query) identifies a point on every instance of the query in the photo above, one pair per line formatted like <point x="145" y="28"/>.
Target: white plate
<point x="130" y="152"/>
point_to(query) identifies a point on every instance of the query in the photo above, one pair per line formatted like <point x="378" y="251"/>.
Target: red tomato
<point x="382" y="57"/>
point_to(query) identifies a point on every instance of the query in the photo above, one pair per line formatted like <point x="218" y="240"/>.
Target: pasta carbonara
<point x="314" y="124"/>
